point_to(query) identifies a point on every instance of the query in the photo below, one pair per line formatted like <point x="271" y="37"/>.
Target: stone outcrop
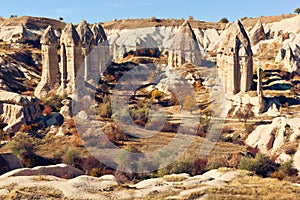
<point x="175" y="186"/>
<point x="65" y="111"/>
<point x="257" y="33"/>
<point x="270" y="139"/>
<point x="289" y="58"/>
<point x="50" y="75"/>
<point x="183" y="47"/>
<point x="17" y="34"/>
<point x="60" y="170"/>
<point x="235" y="59"/>
<point x="16" y="110"/>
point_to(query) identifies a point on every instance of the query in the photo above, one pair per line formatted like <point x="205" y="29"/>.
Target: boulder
<point x="16" y="110"/>
<point x="65" y="111"/>
<point x="55" y="119"/>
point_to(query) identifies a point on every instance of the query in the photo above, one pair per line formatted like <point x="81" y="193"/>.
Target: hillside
<point x="30" y="22"/>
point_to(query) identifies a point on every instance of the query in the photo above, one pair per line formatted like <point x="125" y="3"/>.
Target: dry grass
<point x="32" y="193"/>
<point x="266" y="19"/>
<point x="143" y="23"/>
<point x="33" y="22"/>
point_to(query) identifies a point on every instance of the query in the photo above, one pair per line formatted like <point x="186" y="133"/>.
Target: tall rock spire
<point x="85" y="34"/>
<point x="235" y="59"/>
<point x="50" y="77"/>
<point x="71" y="58"/>
<point x="183" y="47"/>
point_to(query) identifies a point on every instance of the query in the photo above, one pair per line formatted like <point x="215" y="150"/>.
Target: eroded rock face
<point x="16" y="109"/>
<point x="235" y="59"/>
<point x="257" y="34"/>
<point x="17" y="34"/>
<point x="270" y="139"/>
<point x="290" y="59"/>
<point x="183" y="47"/>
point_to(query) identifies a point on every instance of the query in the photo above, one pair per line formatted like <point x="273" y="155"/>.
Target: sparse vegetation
<point x="190" y="103"/>
<point x="224" y="20"/>
<point x="261" y="165"/>
<point x="297" y="11"/>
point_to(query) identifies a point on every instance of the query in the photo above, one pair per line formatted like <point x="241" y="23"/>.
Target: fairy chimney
<point x="50" y="76"/>
<point x="71" y="58"/>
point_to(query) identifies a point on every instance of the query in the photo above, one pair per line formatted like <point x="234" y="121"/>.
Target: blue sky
<point x="100" y="10"/>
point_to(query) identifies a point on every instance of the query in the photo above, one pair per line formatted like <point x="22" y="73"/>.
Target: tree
<point x="245" y="113"/>
<point x="297" y="10"/>
<point x="190" y="103"/>
<point x="191" y="18"/>
<point x="224" y="20"/>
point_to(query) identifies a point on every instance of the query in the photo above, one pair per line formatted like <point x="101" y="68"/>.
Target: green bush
<point x="54" y="102"/>
<point x="70" y="157"/>
<point x="224" y="20"/>
<point x="156" y="94"/>
<point x="215" y="163"/>
<point x="288" y="168"/>
<point x="183" y="165"/>
<point x="190" y="103"/>
<point x="21" y="144"/>
<point x="261" y="165"/>
<point x="105" y="108"/>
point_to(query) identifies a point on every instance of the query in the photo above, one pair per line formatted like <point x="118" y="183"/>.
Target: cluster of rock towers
<point x="63" y="55"/>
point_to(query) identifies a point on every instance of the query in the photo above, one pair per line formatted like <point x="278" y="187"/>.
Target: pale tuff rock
<point x="16" y="110"/>
<point x="99" y="33"/>
<point x="297" y="159"/>
<point x="87" y="39"/>
<point x="81" y="47"/>
<point x="260" y="94"/>
<point x="16" y="34"/>
<point x="257" y="34"/>
<point x="85" y="34"/>
<point x="269" y="139"/>
<point x="71" y="58"/>
<point x="100" y="55"/>
<point x="273" y="110"/>
<point x="60" y="170"/>
<point x="65" y="111"/>
<point x="289" y="58"/>
<point x="291" y="25"/>
<point x="206" y="37"/>
<point x="235" y="59"/>
<point x="50" y="76"/>
<point x="183" y="47"/>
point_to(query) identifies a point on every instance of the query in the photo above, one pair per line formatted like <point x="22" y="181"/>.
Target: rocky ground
<point x="215" y="184"/>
